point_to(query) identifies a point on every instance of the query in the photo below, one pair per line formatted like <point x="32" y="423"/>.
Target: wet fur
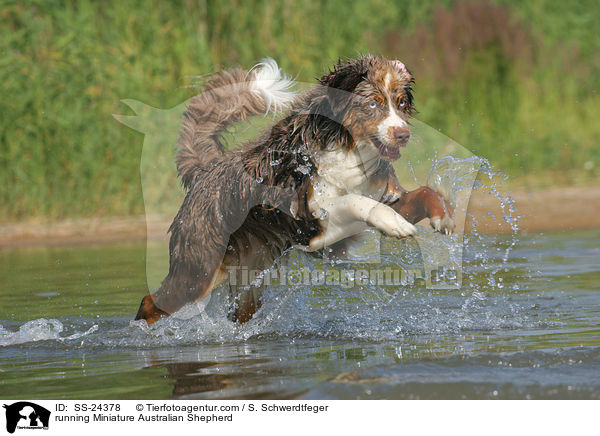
<point x="240" y="209"/>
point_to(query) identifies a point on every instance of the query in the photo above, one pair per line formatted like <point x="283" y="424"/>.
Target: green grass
<point x="65" y="66"/>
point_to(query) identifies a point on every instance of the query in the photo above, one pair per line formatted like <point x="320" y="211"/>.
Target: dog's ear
<point x="341" y="83"/>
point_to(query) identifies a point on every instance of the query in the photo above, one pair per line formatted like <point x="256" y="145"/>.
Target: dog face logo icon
<point x="26" y="415"/>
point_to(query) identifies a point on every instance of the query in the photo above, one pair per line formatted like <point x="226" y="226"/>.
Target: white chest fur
<point x="346" y="199"/>
<point x="342" y="172"/>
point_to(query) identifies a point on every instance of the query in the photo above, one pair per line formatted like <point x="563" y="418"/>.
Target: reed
<point x="514" y="82"/>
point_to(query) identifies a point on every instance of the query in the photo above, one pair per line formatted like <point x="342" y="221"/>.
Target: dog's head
<point x="371" y="98"/>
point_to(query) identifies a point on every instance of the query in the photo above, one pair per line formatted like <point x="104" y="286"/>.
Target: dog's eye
<point x="402" y="103"/>
<point x="372" y="105"/>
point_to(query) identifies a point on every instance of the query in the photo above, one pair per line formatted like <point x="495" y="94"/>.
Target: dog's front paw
<point x="389" y="222"/>
<point x="443" y="224"/>
<point x="439" y="211"/>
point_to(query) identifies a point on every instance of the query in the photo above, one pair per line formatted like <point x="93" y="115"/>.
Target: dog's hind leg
<point x="197" y="248"/>
<point x="176" y="292"/>
<point x="254" y="264"/>
<point x="246" y="304"/>
<point x="149" y="311"/>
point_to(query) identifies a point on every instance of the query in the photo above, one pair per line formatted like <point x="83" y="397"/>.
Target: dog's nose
<point x="400" y="135"/>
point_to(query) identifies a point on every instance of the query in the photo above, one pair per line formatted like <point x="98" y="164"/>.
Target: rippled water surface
<point x="525" y="328"/>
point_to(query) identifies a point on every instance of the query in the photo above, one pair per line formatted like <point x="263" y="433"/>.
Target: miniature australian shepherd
<point x="319" y="177"/>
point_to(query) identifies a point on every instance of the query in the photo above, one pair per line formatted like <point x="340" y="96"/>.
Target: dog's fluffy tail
<point x="229" y="96"/>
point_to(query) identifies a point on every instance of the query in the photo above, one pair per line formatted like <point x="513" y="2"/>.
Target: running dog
<point x="320" y="176"/>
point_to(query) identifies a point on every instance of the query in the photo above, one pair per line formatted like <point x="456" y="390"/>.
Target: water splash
<point x="351" y="310"/>
<point x="448" y="177"/>
<point x="40" y="330"/>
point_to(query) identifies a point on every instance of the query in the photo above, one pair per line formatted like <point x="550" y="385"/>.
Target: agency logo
<point x="26" y="415"/>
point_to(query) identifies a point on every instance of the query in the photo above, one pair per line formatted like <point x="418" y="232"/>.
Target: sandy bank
<point x="554" y="209"/>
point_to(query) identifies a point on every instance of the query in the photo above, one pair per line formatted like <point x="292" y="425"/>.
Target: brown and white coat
<point x="318" y="177"/>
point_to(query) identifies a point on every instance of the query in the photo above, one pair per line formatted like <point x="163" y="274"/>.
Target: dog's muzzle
<point x="399" y="136"/>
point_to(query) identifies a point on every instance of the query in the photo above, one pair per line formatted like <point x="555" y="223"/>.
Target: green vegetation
<point x="515" y="82"/>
